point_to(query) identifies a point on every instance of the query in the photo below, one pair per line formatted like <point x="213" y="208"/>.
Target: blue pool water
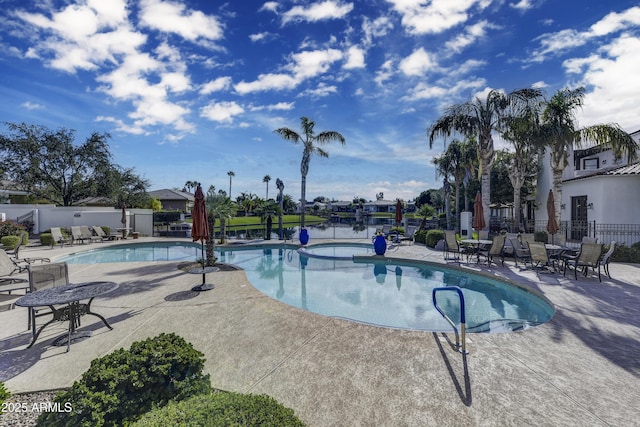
<point x="395" y="294"/>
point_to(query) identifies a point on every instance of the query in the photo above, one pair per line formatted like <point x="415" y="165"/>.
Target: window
<point x="591" y="164"/>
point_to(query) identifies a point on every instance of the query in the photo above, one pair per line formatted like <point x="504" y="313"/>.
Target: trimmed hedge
<point x="221" y="409"/>
<point x="433" y="237"/>
<point x="119" y="387"/>
<point x="10" y="242"/>
<point x="46" y="239"/>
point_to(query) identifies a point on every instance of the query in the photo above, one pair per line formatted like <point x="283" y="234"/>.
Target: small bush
<point x="106" y="229"/>
<point x="420" y="236"/>
<point x="10" y="228"/>
<point x="540" y="236"/>
<point x="433" y="237"/>
<point x="119" y="387"/>
<point x="624" y="253"/>
<point x="46" y="239"/>
<point x="222" y="409"/>
<point x="10" y="242"/>
<point x="4" y="393"/>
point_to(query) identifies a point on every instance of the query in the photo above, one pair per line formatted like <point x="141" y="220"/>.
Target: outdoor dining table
<point x="69" y="296"/>
<point x="477" y="244"/>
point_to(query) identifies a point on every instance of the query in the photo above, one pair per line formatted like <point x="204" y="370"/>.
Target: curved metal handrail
<point x="462" y="348"/>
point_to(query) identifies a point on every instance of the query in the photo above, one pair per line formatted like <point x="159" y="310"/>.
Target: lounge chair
<point x="57" y="237"/>
<point x="520" y="252"/>
<point x="8" y="282"/>
<point x="87" y="233"/>
<point x="526" y="238"/>
<point x="588" y="239"/>
<point x="589" y="256"/>
<point x="21" y="263"/>
<point x="99" y="232"/>
<point x="539" y="256"/>
<point x="496" y="249"/>
<point x="77" y="235"/>
<point x="606" y="257"/>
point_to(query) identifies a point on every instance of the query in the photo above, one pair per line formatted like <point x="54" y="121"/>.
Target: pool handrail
<point x="461" y="348"/>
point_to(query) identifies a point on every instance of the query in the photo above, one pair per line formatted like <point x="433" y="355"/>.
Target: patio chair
<point x="496" y="249"/>
<point x="99" y="232"/>
<point x="77" y="235"/>
<point x="8" y="282"/>
<point x="87" y="233"/>
<point x="452" y="246"/>
<point x="21" y="263"/>
<point x="589" y="256"/>
<point x="526" y="238"/>
<point x="42" y="277"/>
<point x="588" y="239"/>
<point x="604" y="262"/>
<point x="508" y="248"/>
<point x="57" y="237"/>
<point x="520" y="252"/>
<point x="539" y="256"/>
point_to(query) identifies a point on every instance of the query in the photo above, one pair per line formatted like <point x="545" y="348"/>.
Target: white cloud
<point x="385" y="72"/>
<point x="445" y="92"/>
<point x="355" y="58"/>
<point x="609" y="100"/>
<point x="327" y="9"/>
<point x="321" y="91"/>
<point x="561" y="41"/>
<point x="418" y="63"/>
<point x="217" y="85"/>
<point x="257" y="37"/>
<point x="379" y="27"/>
<point x="436" y="16"/>
<point x="222" y="112"/>
<point x="267" y="82"/>
<point x="172" y="17"/>
<point x="470" y="35"/>
<point x="522" y="5"/>
<point x="32" y="106"/>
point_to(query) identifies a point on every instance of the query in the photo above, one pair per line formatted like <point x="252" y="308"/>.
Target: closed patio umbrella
<point x="200" y="231"/>
<point x="552" y="224"/>
<point x="398" y="217"/>
<point x="478" y="213"/>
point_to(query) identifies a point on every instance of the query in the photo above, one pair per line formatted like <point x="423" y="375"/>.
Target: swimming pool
<point x="344" y="251"/>
<point x="393" y="294"/>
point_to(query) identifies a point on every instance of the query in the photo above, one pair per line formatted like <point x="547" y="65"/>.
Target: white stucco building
<point x="600" y="195"/>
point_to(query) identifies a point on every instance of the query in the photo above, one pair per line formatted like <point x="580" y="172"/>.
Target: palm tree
<point x="266" y="179"/>
<point x="520" y="129"/>
<point x="231" y="175"/>
<point x="218" y="206"/>
<point x="480" y="118"/>
<point x="308" y="138"/>
<point x="445" y="170"/>
<point x="190" y="185"/>
<point x="559" y="132"/>
<point x="458" y="161"/>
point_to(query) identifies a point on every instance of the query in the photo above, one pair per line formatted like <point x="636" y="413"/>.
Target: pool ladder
<point x="461" y="348"/>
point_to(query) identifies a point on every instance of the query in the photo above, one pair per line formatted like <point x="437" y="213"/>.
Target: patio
<point x="581" y="368"/>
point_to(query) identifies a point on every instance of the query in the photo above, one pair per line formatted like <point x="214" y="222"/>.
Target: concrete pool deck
<point x="582" y="368"/>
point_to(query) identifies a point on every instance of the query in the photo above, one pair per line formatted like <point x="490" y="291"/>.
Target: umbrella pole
<point x="202" y="254"/>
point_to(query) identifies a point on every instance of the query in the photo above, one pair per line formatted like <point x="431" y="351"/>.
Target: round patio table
<point x="69" y="296"/>
<point x="203" y="270"/>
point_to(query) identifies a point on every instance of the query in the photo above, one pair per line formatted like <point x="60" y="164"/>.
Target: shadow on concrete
<point x="465" y="394"/>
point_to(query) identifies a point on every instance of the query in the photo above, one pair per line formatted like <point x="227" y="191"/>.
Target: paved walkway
<point x="582" y="368"/>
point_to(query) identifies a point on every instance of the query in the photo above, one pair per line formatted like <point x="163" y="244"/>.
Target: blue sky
<point x="191" y="89"/>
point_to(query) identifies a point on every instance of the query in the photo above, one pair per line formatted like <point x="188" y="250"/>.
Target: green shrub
<point x="540" y="236"/>
<point x="4" y="393"/>
<point x="420" y="236"/>
<point x="46" y="239"/>
<point x="106" y="229"/>
<point x="433" y="237"/>
<point x="624" y="253"/>
<point x="222" y="409"/>
<point x="10" y="242"/>
<point x="119" y="387"/>
<point x="10" y="228"/>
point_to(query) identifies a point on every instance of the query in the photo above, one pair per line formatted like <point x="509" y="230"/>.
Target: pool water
<point x="392" y="294"/>
<point x="338" y="251"/>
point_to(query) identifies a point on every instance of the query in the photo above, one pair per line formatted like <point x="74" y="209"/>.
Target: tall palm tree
<point x="479" y="118"/>
<point x="266" y="179"/>
<point x="520" y="130"/>
<point x="231" y="175"/>
<point x="190" y="185"/>
<point x="310" y="141"/>
<point x="560" y="132"/>
<point x="218" y="206"/>
<point x="444" y="169"/>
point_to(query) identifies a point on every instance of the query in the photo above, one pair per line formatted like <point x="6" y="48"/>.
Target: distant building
<point x="173" y="200"/>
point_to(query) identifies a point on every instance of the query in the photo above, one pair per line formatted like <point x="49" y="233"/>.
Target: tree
<point x="266" y="209"/>
<point x="231" y="175"/>
<point x="122" y="185"/>
<point x="218" y="206"/>
<point x="479" y="118"/>
<point x="49" y="165"/>
<point x="444" y="169"/>
<point x="520" y="128"/>
<point x="310" y="141"/>
<point x="190" y="185"/>
<point x="266" y="179"/>
<point x="559" y="132"/>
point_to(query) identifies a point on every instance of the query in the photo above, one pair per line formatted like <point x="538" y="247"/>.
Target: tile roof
<point x="632" y="169"/>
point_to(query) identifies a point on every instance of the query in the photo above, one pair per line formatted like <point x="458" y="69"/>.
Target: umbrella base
<point x="203" y="287"/>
